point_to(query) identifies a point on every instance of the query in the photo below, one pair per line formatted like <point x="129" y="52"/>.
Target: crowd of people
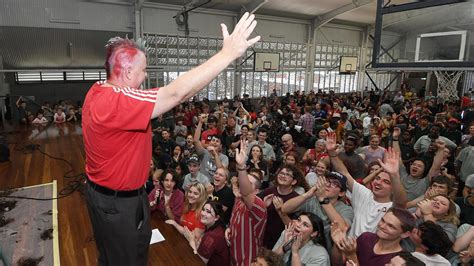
<point x="63" y="111"/>
<point x="372" y="178"/>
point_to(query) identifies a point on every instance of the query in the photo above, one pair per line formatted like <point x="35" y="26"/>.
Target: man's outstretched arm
<point x="194" y="80"/>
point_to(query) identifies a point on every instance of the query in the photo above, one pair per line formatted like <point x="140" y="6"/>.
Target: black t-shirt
<point x="467" y="211"/>
<point x="167" y="146"/>
<point x="407" y="151"/>
<point x="22" y="113"/>
<point x="162" y="161"/>
<point x="454" y="135"/>
<point x="226" y="198"/>
<point x="418" y="132"/>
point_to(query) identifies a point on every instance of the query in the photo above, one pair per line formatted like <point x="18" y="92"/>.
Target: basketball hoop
<point x="447" y="84"/>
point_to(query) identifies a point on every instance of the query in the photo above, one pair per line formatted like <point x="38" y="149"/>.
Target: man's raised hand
<point x="237" y="42"/>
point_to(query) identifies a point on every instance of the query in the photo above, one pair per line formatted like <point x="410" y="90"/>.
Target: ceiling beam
<point x="139" y="4"/>
<point x="254" y="5"/>
<point x="323" y="19"/>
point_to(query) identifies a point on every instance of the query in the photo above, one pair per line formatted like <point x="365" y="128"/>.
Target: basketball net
<point x="447" y="84"/>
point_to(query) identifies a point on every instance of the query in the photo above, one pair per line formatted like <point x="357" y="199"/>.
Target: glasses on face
<point x="334" y="184"/>
<point x="286" y="174"/>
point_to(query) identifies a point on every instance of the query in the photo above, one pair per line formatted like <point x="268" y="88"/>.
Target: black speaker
<point x="4" y="153"/>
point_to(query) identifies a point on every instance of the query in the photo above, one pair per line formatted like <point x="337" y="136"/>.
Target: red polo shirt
<point x="117" y="135"/>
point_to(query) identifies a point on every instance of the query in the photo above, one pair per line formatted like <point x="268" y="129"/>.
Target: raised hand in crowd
<point x="268" y="199"/>
<point x="391" y="163"/>
<point x="425" y="209"/>
<point x="331" y="143"/>
<point x="337" y="233"/>
<point x="348" y="247"/>
<point x="241" y="154"/>
<point x="396" y="132"/>
<point x="277" y="202"/>
<point x="321" y="186"/>
<point x="467" y="255"/>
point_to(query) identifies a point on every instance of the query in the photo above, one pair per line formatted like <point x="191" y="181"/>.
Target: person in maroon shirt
<point x="287" y="178"/>
<point x="117" y="112"/>
<point x="166" y="197"/>
<point x="379" y="248"/>
<point x="212" y="247"/>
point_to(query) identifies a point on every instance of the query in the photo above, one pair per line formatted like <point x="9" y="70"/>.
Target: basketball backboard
<point x="348" y="65"/>
<point x="424" y="35"/>
<point x="264" y="62"/>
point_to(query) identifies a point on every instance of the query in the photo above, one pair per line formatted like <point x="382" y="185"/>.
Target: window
<point x="59" y="76"/>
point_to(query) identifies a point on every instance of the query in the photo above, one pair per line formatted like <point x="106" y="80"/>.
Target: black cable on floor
<point x="73" y="185"/>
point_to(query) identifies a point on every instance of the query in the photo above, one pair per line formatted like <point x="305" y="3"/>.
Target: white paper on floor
<point x="156" y="236"/>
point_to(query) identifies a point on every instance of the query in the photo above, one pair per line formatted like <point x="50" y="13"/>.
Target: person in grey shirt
<point x="211" y="157"/>
<point x="424" y="142"/>
<point x="417" y="181"/>
<point x="385" y="108"/>
<point x="464" y="161"/>
<point x="323" y="199"/>
<point x="194" y="176"/>
<point x="308" y="247"/>
<point x="268" y="152"/>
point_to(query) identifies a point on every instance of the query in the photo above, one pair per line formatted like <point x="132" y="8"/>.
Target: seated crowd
<point x="63" y="111"/>
<point x="319" y="179"/>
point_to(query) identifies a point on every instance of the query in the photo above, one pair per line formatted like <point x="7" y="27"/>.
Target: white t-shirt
<point x="367" y="212"/>
<point x="436" y="259"/>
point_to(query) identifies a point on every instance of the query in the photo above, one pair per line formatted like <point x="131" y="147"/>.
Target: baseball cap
<point x="470" y="181"/>
<point x="193" y="159"/>
<point x="339" y="177"/>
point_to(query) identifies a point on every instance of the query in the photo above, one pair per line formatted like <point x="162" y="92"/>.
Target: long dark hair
<point x="261" y="152"/>
<point x="218" y="210"/>
<point x="318" y="226"/>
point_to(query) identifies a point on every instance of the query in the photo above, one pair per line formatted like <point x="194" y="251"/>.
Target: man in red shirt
<point x="117" y="140"/>
<point x="249" y="215"/>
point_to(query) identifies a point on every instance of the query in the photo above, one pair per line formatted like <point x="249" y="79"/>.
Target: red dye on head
<point x="124" y="57"/>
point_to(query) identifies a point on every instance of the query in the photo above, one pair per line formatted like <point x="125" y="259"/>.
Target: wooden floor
<point x="77" y="246"/>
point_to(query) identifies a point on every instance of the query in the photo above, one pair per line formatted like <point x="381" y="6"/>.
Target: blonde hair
<point x="201" y="201"/>
<point x="451" y="216"/>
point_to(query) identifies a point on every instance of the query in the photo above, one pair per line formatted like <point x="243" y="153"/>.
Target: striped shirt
<point x="246" y="231"/>
<point x="306" y="121"/>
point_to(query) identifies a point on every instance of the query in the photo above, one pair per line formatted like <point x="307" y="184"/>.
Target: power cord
<point x="77" y="182"/>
